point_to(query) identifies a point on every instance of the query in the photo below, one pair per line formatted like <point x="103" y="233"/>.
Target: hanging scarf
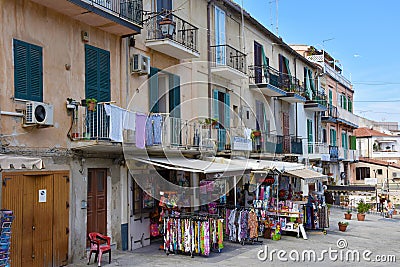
<point x="206" y="238"/>
<point x="220" y="234"/>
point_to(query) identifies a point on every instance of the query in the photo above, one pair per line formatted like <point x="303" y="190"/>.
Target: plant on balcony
<point x="210" y="121"/>
<point x="375" y="147"/>
<point x="91" y="104"/>
<point x="255" y="133"/>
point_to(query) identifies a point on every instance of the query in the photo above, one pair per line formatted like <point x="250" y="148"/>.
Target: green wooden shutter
<point x="153" y="90"/>
<point x="310" y="135"/>
<point x="227" y="111"/>
<point x="330" y="97"/>
<point x="97" y="74"/>
<point x="174" y="96"/>
<point x="215" y="105"/>
<point x="344" y="102"/>
<point x="350" y="105"/>
<point x="28" y="71"/>
<point x="264" y="58"/>
<point x="312" y="85"/>
<point x="307" y="83"/>
<point x="334" y="138"/>
<point x="353" y="143"/>
<point x="36" y="70"/>
<point x="104" y="76"/>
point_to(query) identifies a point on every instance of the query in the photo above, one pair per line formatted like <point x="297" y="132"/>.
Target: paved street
<point x="379" y="235"/>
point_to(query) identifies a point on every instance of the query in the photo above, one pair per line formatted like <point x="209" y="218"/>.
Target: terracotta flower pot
<point x="360" y="216"/>
<point x="347" y="216"/>
<point x="342" y="227"/>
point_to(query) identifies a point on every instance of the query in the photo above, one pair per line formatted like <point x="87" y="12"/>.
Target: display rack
<point x="6" y="218"/>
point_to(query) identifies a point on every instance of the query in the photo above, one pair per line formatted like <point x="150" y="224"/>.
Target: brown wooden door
<point x="97" y="201"/>
<point x="39" y="236"/>
<point x="286" y="133"/>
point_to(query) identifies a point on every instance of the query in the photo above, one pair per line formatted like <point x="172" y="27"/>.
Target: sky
<point x="365" y="39"/>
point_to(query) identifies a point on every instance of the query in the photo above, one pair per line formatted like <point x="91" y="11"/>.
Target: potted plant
<point x="329" y="208"/>
<point x="347" y="215"/>
<point x="362" y="208"/>
<point x="209" y="121"/>
<point x="91" y="104"/>
<point x="343" y="226"/>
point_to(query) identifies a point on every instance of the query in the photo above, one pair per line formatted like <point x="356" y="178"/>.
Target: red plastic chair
<point x="98" y="247"/>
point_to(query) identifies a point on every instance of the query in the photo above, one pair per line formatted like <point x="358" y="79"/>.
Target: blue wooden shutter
<point x="28" y="71"/>
<point x="174" y="96"/>
<point x="153" y="90"/>
<point x="215" y="105"/>
<point x="227" y="122"/>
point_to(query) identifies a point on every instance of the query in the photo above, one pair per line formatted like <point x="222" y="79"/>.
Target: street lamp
<point x="167" y="27"/>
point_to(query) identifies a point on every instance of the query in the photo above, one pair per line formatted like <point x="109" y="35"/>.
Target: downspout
<point x="209" y="57"/>
<point x="295" y="76"/>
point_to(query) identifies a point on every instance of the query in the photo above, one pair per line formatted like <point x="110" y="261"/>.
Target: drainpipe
<point x="209" y="56"/>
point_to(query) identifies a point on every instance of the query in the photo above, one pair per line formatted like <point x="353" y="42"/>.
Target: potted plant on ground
<point x="362" y="208"/>
<point x="347" y="215"/>
<point x="91" y="104"/>
<point x="343" y="226"/>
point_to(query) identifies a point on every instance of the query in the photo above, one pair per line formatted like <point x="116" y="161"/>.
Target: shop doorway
<point x="97" y="201"/>
<point x="40" y="202"/>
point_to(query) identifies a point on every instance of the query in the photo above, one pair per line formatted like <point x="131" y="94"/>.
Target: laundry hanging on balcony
<point x="120" y="119"/>
<point x="140" y="128"/>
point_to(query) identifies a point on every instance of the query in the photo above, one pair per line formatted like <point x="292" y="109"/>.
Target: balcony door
<point x="257" y="62"/>
<point x="286" y="133"/>
<point x="97" y="86"/>
<point x="220" y="38"/>
<point x="221" y="108"/>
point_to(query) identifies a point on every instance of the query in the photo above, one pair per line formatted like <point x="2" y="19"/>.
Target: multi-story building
<point x="54" y="53"/>
<point x="338" y="121"/>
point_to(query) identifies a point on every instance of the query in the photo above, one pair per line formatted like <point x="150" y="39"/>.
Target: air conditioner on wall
<point x="140" y="64"/>
<point x="396" y="174"/>
<point x="38" y="113"/>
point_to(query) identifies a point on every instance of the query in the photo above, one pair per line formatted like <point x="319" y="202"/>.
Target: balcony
<point x="296" y="145"/>
<point x="182" y="44"/>
<point x="347" y="118"/>
<point x="268" y="143"/>
<point x="317" y="102"/>
<point x="347" y="154"/>
<point x="97" y="131"/>
<point x="266" y="79"/>
<point x="334" y="153"/>
<point x="317" y="150"/>
<point x="228" y="62"/>
<point x="330" y="114"/>
<point x="120" y="17"/>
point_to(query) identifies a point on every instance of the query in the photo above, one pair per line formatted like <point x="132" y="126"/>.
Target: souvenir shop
<point x="187" y="218"/>
<point x="272" y="202"/>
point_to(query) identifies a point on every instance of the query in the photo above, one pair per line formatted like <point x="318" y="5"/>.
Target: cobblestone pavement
<point x="379" y="235"/>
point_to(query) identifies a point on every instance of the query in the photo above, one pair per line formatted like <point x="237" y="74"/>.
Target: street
<point x="377" y="234"/>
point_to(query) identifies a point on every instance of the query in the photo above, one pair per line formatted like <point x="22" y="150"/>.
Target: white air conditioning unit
<point x="39" y="113"/>
<point x="396" y="174"/>
<point x="140" y="64"/>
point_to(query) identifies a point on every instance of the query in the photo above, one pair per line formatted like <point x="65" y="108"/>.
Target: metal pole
<point x="234" y="186"/>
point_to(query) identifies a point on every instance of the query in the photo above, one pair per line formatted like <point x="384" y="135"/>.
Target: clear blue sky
<point x="366" y="41"/>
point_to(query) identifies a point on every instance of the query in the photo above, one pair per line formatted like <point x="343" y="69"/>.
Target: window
<point x="330" y="97"/>
<point x="362" y="173"/>
<point x="332" y="136"/>
<point x="345" y="141"/>
<point x="164" y="92"/>
<point x="220" y="36"/>
<point x="350" y="105"/>
<point x="28" y="71"/>
<point x="164" y="5"/>
<point x="379" y="171"/>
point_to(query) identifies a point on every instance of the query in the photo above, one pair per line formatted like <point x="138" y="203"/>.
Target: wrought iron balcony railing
<point x="131" y="10"/>
<point x="226" y="55"/>
<point x="267" y="75"/>
<point x="185" y="33"/>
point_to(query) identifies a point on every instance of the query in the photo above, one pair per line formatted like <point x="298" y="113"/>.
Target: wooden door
<point x="97" y="201"/>
<point x="286" y="133"/>
<point x="39" y="236"/>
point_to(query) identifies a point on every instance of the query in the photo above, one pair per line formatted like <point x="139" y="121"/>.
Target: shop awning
<point x="353" y="188"/>
<point x="211" y="169"/>
<point x="259" y="166"/>
<point x="18" y="162"/>
<point x="309" y="176"/>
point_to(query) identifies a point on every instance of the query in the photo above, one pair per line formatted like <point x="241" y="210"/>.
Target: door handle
<point x="33" y="227"/>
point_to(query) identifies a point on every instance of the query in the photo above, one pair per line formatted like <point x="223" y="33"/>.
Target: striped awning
<point x="309" y="176"/>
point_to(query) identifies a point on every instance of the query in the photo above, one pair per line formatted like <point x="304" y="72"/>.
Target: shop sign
<point x="325" y="157"/>
<point x="371" y="181"/>
<point x="242" y="144"/>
